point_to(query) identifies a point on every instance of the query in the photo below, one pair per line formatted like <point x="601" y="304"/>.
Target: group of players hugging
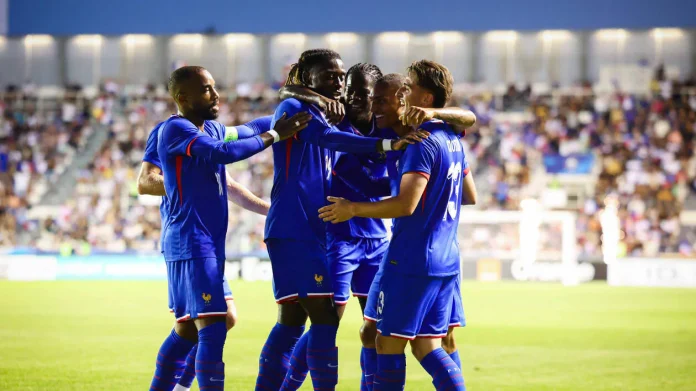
<point x="350" y="150"/>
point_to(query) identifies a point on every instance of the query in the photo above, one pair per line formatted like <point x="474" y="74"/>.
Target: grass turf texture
<point x="521" y="336"/>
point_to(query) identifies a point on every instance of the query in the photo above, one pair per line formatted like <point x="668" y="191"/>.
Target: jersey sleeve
<point x="418" y="158"/>
<point x="465" y="168"/>
<point x="151" y="155"/>
<point x="319" y="132"/>
<point x="183" y="138"/>
<point x="353" y="173"/>
<point x="250" y="129"/>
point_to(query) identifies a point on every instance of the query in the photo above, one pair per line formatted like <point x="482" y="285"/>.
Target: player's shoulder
<point x="435" y="125"/>
<point x="176" y="123"/>
<point x="292" y="105"/>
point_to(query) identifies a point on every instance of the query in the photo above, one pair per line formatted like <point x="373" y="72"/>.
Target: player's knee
<point x="448" y="343"/>
<point x="368" y="333"/>
<point x="291" y="314"/>
<point x="321" y="310"/>
<point x="231" y="320"/>
<point x="421" y="347"/>
<point x="187" y="331"/>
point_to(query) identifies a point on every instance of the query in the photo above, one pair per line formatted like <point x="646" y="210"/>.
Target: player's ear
<point x="428" y="100"/>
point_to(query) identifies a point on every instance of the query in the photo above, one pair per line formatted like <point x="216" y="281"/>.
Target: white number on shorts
<point x="380" y="303"/>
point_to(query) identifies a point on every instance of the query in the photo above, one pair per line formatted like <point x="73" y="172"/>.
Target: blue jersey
<point x="302" y="168"/>
<point x="152" y="157"/>
<point x="195" y="182"/>
<point x="425" y="243"/>
<point x="375" y="166"/>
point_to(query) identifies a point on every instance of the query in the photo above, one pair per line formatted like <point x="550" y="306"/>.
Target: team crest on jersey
<point x="319" y="279"/>
<point x="207" y="297"/>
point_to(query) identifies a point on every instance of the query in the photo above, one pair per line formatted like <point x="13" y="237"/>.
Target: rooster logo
<point x="207" y="297"/>
<point x="319" y="279"/>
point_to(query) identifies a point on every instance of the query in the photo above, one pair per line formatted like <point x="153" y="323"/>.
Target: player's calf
<point x="170" y="360"/>
<point x="210" y="370"/>
<point x="275" y="358"/>
<point x="450" y="346"/>
<point x="322" y="353"/>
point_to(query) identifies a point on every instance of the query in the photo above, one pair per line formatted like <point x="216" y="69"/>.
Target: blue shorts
<point x="457" y="319"/>
<point x="412" y="307"/>
<point x="299" y="270"/>
<point x="196" y="288"/>
<point x="353" y="264"/>
<point x="225" y="288"/>
<point x="370" y="312"/>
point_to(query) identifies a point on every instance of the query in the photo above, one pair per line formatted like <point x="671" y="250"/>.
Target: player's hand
<point x="339" y="211"/>
<point x="335" y="111"/>
<point x="287" y="127"/>
<point x="414" y="115"/>
<point x="413" y="137"/>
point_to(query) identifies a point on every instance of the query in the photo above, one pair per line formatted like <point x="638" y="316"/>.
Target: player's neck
<point x="362" y="122"/>
<point x="401" y="130"/>
<point x="197" y="121"/>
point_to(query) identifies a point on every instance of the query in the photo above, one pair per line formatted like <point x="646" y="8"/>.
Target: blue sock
<point x="363" y="385"/>
<point x="391" y="372"/>
<point x="446" y="375"/>
<point x="189" y="373"/>
<point x="455" y="357"/>
<point x="322" y="356"/>
<point x="210" y="370"/>
<point x="297" y="369"/>
<point x="170" y="359"/>
<point x="274" y="359"/>
<point x="370" y="366"/>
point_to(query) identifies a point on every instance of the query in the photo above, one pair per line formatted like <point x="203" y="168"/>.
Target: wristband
<point x="276" y="136"/>
<point x="386" y="145"/>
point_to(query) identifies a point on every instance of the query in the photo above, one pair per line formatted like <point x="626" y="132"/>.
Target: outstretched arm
<point x="460" y="119"/>
<point x="404" y="204"/>
<point x="241" y="196"/>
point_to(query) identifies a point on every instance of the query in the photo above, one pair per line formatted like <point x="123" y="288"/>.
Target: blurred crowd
<point x="642" y="149"/>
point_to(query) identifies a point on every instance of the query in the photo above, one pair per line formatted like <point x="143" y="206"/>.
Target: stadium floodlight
<point x="555" y="35"/>
<point x="239" y="39"/>
<point x="662" y="33"/>
<point x="188" y="39"/>
<point x="137" y="39"/>
<point x="447" y="36"/>
<point x="501" y="36"/>
<point x="291" y="39"/>
<point x="341" y="38"/>
<point x="612" y="34"/>
<point x="40" y="39"/>
<point x="88" y="40"/>
<point x="395" y="37"/>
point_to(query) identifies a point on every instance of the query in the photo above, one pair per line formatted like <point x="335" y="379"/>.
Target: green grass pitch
<point x="521" y="336"/>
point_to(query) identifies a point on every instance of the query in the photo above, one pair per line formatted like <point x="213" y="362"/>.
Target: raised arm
<point x="183" y="138"/>
<point x="261" y="125"/>
<point x="460" y="119"/>
<point x="241" y="196"/>
<point x="333" y="109"/>
<point x="150" y="180"/>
